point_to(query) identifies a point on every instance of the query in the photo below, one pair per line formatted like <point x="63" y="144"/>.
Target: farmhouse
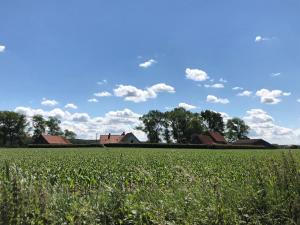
<point x="128" y="138"/>
<point x="52" y="140"/>
<point x="209" y="139"/>
<point x="255" y="142"/>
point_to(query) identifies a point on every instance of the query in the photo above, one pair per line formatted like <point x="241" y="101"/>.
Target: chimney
<point x="109" y="136"/>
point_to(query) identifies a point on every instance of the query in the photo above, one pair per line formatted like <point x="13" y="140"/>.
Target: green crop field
<point x="149" y="186"/>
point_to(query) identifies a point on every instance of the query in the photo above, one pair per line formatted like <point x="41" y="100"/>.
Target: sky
<point x="98" y="65"/>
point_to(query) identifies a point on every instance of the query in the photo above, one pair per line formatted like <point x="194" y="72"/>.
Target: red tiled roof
<point x="56" y="140"/>
<point x="204" y="139"/>
<point x="217" y="137"/>
<point x="253" y="142"/>
<point x="105" y="139"/>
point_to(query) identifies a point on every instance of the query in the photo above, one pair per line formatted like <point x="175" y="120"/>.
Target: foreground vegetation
<point x="121" y="186"/>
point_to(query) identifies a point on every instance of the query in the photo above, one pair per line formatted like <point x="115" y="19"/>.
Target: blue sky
<point x="152" y="55"/>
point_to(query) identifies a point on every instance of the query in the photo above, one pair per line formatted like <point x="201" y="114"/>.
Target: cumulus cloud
<point x="245" y="93"/>
<point x="92" y="100"/>
<point x="237" y="88"/>
<point x="103" y="94"/>
<point x="131" y="93"/>
<point x="264" y="126"/>
<point x="2" y="48"/>
<point x="186" y="106"/>
<point x="48" y="102"/>
<point x="71" y="106"/>
<point x="218" y="85"/>
<point x="196" y="74"/>
<point x="214" y="99"/>
<point x="147" y="64"/>
<point x="86" y="127"/>
<point x="271" y="97"/>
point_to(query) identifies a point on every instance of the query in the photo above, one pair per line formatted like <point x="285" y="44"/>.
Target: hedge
<point x="65" y="146"/>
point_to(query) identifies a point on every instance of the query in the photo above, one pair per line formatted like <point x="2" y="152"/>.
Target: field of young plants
<point x="149" y="186"/>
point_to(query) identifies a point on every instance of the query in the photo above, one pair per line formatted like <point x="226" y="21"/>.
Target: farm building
<point x="128" y="138"/>
<point x="201" y="139"/>
<point x="209" y="139"/>
<point x="256" y="142"/>
<point x="217" y="137"/>
<point x="52" y="140"/>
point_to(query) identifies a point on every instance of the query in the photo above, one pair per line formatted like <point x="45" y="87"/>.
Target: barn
<point x="255" y="142"/>
<point x="128" y="138"/>
<point x="201" y="139"/>
<point x="209" y="139"/>
<point x="51" y="140"/>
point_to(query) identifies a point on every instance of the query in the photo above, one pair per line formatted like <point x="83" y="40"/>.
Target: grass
<point x="149" y="186"/>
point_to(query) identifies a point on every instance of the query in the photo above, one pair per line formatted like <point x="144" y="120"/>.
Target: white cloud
<point x="245" y="93"/>
<point x="102" y="82"/>
<point x="80" y="117"/>
<point x="261" y="39"/>
<point x="71" y="106"/>
<point x="298" y="100"/>
<point x="103" y="94"/>
<point x="263" y="126"/>
<point x="237" y="88"/>
<point x="86" y="127"/>
<point x="131" y="93"/>
<point x="275" y="74"/>
<point x="186" y="106"/>
<point x="218" y="85"/>
<point x="196" y="74"/>
<point x="2" y="48"/>
<point x="92" y="100"/>
<point x="48" y="102"/>
<point x="271" y="97"/>
<point x="214" y="99"/>
<point x="147" y="64"/>
<point x="222" y="80"/>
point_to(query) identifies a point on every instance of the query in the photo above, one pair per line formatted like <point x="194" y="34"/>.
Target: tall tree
<point x="53" y="126"/>
<point x="236" y="129"/>
<point x="39" y="125"/>
<point x="69" y="134"/>
<point x="12" y="128"/>
<point x="152" y="125"/>
<point x="184" y="123"/>
<point x="213" y="121"/>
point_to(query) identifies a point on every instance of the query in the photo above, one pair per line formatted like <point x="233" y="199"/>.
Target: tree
<point x="236" y="129"/>
<point x="184" y="123"/>
<point x="152" y="125"/>
<point x="53" y="126"/>
<point x="39" y="125"/>
<point x="12" y="128"/>
<point x="213" y="121"/>
<point x="69" y="134"/>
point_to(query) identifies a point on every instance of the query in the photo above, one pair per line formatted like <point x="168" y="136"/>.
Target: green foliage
<point x="69" y="134"/>
<point x="39" y="126"/>
<point x="123" y="186"/>
<point x="53" y="126"/>
<point x="213" y="121"/>
<point x="13" y="128"/>
<point x="236" y="129"/>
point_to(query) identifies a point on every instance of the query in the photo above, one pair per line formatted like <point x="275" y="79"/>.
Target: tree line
<point x="178" y="125"/>
<point x="16" y="130"/>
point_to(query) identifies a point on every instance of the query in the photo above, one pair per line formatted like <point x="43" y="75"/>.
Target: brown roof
<point x="217" y="137"/>
<point x="56" y="140"/>
<point x="203" y="139"/>
<point x="107" y="139"/>
<point x="253" y="142"/>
